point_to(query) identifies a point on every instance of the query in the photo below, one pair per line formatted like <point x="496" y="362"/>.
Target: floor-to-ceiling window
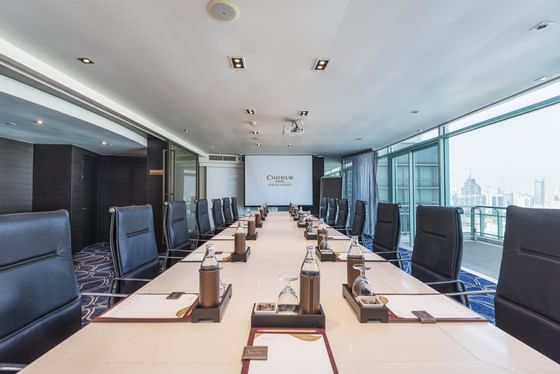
<point x="401" y="172"/>
<point x="383" y="182"/>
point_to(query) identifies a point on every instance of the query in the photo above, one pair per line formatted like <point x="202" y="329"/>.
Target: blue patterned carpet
<point x="94" y="270"/>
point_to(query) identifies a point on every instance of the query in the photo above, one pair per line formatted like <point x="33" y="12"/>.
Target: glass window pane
<point x="431" y="134"/>
<point x="401" y="170"/>
<point x="426" y="177"/>
<point x="383" y="179"/>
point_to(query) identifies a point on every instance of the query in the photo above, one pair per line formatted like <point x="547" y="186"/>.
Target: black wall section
<point x="87" y="185"/>
<point x="123" y="182"/>
<point x="16" y="176"/>
<point x="155" y="184"/>
<point x="318" y="172"/>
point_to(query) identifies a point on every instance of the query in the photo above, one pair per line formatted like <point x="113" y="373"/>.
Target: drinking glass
<point x="287" y="299"/>
<point x="362" y="285"/>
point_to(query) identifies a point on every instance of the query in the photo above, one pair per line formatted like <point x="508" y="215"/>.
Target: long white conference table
<point x="173" y="348"/>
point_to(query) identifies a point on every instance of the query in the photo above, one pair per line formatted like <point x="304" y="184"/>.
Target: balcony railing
<point x="487" y="223"/>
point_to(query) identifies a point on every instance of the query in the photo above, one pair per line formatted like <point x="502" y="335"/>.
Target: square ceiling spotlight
<point x="320" y="64"/>
<point x="304" y="113"/>
<point x="237" y="62"/>
<point x="250" y="111"/>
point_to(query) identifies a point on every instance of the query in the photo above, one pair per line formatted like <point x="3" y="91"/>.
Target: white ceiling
<point x="59" y="128"/>
<point x="167" y="60"/>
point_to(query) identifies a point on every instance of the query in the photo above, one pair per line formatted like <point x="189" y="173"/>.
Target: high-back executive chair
<point x="358" y="221"/>
<point x="133" y="247"/>
<point x="527" y="299"/>
<point x="323" y="208"/>
<point x="176" y="230"/>
<point x="228" y="214"/>
<point x="331" y="214"/>
<point x="218" y="214"/>
<point x="388" y="232"/>
<point x="342" y="215"/>
<point x="438" y="249"/>
<point x="234" y="210"/>
<point x="39" y="297"/>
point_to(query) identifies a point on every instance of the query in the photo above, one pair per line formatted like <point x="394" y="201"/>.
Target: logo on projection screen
<point x="280" y="180"/>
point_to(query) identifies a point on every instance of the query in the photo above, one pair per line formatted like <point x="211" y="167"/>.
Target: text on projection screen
<point x="278" y="180"/>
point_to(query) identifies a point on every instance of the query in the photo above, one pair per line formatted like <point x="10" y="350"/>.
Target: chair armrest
<point x="445" y="282"/>
<point x="385" y="252"/>
<point x="133" y="279"/>
<point x="12" y="368"/>
<point x="180" y="250"/>
<point x="103" y="294"/>
<point x="171" y="257"/>
<point x="471" y="293"/>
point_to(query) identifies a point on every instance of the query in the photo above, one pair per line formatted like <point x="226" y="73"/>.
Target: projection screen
<point x="278" y="180"/>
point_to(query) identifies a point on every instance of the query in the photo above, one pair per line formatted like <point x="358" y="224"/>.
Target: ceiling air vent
<point x="222" y="158"/>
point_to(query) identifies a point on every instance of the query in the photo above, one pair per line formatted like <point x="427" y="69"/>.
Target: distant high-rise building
<point x="539" y="193"/>
<point x="471" y="194"/>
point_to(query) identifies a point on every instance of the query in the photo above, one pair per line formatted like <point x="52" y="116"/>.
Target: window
<point x="347" y="179"/>
<point x="383" y="184"/>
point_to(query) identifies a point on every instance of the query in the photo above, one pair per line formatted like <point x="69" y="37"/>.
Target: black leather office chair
<point x="438" y="249"/>
<point x="204" y="229"/>
<point x="342" y="215"/>
<point x="388" y="232"/>
<point x="323" y="208"/>
<point x="176" y="230"/>
<point x="234" y="210"/>
<point x="331" y="215"/>
<point x="39" y="297"/>
<point x="133" y="247"/>
<point x="527" y="299"/>
<point x="228" y="214"/>
<point x="218" y="215"/>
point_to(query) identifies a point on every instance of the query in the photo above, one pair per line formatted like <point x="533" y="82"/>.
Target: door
<point x="90" y="199"/>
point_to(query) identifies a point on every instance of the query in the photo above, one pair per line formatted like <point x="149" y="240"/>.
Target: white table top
<point x="453" y="347"/>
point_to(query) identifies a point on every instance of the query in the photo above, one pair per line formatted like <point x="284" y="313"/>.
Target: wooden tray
<point x="310" y="235"/>
<point x="288" y="320"/>
<point x="212" y="314"/>
<point x="365" y="314"/>
<point x="325" y="257"/>
<point x="252" y="237"/>
<point x="241" y="257"/>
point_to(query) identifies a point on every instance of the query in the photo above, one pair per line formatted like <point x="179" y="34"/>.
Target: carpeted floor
<point x="94" y="270"/>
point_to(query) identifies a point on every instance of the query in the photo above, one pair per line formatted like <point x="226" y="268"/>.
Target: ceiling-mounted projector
<point x="295" y="128"/>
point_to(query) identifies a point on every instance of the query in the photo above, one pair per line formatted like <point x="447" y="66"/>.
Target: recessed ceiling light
<point x="237" y="62"/>
<point x="39" y="122"/>
<point x="187" y="130"/>
<point x="86" y="60"/>
<point x="358" y="139"/>
<point x="253" y="123"/>
<point x="255" y="132"/>
<point x="258" y="144"/>
<point x="542" y="25"/>
<point x="304" y="113"/>
<point x="104" y="142"/>
<point x="541" y="79"/>
<point x="250" y="111"/>
<point x="320" y="64"/>
<point x="10" y="123"/>
<point x="414" y="111"/>
<point x="290" y="145"/>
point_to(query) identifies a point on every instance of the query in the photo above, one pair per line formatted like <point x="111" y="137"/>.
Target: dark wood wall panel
<point x="318" y="167"/>
<point x="123" y="182"/>
<point x="51" y="177"/>
<point x="155" y="184"/>
<point x="16" y="176"/>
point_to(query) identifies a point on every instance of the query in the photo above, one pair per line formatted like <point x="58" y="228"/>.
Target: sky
<point x="510" y="154"/>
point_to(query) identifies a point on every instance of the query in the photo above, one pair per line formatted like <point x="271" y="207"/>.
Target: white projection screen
<point x="278" y="180"/>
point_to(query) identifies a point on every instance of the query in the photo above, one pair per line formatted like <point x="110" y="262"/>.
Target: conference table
<point x="205" y="347"/>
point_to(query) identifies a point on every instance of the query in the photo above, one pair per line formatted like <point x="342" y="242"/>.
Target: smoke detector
<point x="295" y="128"/>
<point x="223" y="10"/>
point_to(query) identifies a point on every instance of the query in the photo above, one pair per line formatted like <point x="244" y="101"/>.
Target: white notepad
<point x="139" y="306"/>
<point x="199" y="256"/>
<point x="368" y="256"/>
<point x="439" y="306"/>
<point x="289" y="353"/>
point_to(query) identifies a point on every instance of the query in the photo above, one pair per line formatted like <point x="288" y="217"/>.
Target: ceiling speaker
<point x="223" y="10"/>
